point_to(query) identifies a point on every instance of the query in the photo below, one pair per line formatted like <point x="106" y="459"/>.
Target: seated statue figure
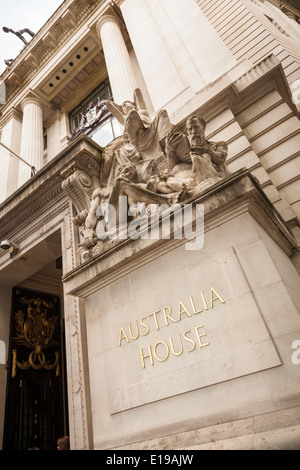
<point x="189" y="163"/>
<point x="206" y="159"/>
<point x="142" y="136"/>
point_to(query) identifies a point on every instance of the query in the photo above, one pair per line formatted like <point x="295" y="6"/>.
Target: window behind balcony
<point x="96" y="122"/>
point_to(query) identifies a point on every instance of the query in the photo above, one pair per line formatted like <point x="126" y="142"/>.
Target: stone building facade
<point x="160" y="346"/>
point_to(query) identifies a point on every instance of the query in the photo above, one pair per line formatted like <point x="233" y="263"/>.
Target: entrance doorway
<point x="36" y="398"/>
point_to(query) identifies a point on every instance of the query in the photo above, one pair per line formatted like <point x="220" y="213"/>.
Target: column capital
<point x="118" y="61"/>
<point x="107" y="18"/>
<point x="31" y="99"/>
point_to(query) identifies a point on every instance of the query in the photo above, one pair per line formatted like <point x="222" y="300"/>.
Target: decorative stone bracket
<point x="81" y="178"/>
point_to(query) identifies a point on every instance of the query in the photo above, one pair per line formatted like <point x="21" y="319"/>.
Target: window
<point x="103" y="92"/>
<point x="93" y="118"/>
<point x="106" y="132"/>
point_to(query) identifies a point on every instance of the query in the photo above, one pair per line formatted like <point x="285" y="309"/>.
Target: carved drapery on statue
<point x="152" y="163"/>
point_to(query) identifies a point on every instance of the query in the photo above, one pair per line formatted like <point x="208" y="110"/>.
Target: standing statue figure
<point x="19" y="33"/>
<point x="142" y="137"/>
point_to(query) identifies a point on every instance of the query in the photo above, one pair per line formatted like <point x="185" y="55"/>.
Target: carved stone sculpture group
<point x="153" y="162"/>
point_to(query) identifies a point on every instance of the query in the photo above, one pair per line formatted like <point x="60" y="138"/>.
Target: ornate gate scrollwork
<point x="36" y="409"/>
<point x="33" y="356"/>
<point x="35" y="329"/>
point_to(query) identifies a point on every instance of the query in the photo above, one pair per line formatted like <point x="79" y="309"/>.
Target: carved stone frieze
<point x="45" y="190"/>
<point x="44" y="45"/>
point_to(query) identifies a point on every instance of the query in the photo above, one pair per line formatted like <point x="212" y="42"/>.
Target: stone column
<point x="9" y="163"/>
<point x="206" y="50"/>
<point x="188" y="52"/>
<point x="159" y="72"/>
<point x="32" y="137"/>
<point x="177" y="50"/>
<point x="118" y="63"/>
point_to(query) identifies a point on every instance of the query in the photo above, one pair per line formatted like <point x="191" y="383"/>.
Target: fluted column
<point x="118" y="63"/>
<point x="32" y="137"/>
<point x="9" y="164"/>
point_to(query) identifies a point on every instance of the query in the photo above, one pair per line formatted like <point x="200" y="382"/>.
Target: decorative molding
<point x="79" y="188"/>
<point x="33" y="210"/>
<point x="31" y="99"/>
<point x="45" y="189"/>
<point x="107" y="18"/>
<point x="13" y="113"/>
<point x="236" y="194"/>
<point x="259" y="70"/>
<point x="45" y="44"/>
<point x="78" y="381"/>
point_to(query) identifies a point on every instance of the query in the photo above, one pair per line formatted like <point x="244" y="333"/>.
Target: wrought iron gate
<point x="36" y="404"/>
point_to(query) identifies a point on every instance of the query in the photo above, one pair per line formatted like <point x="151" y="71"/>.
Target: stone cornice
<point x="45" y="188"/>
<point x="235" y="195"/>
<point x="235" y="90"/>
<point x="13" y="113"/>
<point x="267" y="75"/>
<point x="67" y="19"/>
<point x="292" y="3"/>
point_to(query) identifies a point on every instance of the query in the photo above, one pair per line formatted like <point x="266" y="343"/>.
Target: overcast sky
<point x="20" y="14"/>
